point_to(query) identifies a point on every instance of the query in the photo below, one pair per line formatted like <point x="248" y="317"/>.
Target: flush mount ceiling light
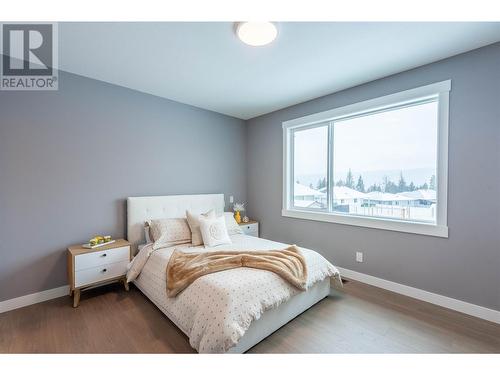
<point x="256" y="33"/>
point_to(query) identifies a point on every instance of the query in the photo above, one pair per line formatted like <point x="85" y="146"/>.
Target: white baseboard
<point x="436" y="299"/>
<point x="30" y="299"/>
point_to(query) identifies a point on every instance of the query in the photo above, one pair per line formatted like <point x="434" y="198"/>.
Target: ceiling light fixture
<point x="256" y="33"/>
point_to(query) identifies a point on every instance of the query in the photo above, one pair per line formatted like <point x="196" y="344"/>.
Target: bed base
<point x="271" y="320"/>
<point x="274" y="319"/>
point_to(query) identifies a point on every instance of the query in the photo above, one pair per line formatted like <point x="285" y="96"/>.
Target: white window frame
<point x="439" y="91"/>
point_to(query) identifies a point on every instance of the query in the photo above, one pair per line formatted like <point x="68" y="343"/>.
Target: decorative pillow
<point x="231" y="224"/>
<point x="169" y="232"/>
<point x="194" y="224"/>
<point x="214" y="232"/>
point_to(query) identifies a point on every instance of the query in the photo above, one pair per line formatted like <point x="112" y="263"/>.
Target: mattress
<point x="216" y="310"/>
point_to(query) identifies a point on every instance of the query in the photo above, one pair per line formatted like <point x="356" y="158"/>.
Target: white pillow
<point x="194" y="224"/>
<point x="169" y="232"/>
<point x="231" y="224"/>
<point x="214" y="232"/>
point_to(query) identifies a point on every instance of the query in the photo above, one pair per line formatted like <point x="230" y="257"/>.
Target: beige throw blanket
<point x="184" y="268"/>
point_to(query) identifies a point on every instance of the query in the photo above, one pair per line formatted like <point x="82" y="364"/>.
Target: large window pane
<point x="310" y="168"/>
<point x="384" y="164"/>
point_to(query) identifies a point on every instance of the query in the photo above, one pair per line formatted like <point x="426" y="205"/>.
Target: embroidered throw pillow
<point x="169" y="232"/>
<point x="214" y="232"/>
<point x="194" y="224"/>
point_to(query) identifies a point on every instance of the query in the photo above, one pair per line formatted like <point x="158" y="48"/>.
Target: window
<point x="381" y="163"/>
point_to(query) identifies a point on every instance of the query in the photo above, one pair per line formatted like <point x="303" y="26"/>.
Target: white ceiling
<point x="205" y="65"/>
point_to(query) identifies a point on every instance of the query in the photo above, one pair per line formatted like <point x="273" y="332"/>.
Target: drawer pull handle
<point x="104" y="270"/>
<point x="103" y="255"/>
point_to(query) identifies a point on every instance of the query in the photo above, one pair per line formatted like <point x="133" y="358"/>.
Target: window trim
<point x="439" y="90"/>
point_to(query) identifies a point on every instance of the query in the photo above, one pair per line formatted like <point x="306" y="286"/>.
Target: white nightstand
<point x="102" y="265"/>
<point x="251" y="228"/>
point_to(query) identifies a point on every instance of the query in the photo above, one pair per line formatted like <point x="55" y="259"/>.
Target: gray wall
<point x="68" y="160"/>
<point x="465" y="266"/>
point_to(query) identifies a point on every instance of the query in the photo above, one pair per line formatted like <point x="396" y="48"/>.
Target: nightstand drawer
<point x="254" y="233"/>
<point x="99" y="258"/>
<point x="97" y="274"/>
<point x="251" y="229"/>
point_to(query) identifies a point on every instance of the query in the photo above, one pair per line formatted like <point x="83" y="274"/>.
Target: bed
<point x="224" y="312"/>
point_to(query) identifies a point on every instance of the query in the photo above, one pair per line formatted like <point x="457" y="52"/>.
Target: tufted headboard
<point x="140" y="209"/>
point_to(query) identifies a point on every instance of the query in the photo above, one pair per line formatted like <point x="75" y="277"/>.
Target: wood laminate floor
<point x="358" y="319"/>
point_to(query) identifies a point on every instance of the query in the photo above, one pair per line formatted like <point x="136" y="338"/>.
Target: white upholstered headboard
<point x="140" y="209"/>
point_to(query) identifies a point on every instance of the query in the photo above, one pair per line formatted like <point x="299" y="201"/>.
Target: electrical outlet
<point x="231" y="199"/>
<point x="359" y="257"/>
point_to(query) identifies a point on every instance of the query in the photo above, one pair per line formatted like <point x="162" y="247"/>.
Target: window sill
<point x="368" y="222"/>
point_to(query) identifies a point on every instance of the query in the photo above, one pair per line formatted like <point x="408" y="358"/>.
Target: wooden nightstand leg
<point x="125" y="284"/>
<point x="70" y="292"/>
<point x="76" y="297"/>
